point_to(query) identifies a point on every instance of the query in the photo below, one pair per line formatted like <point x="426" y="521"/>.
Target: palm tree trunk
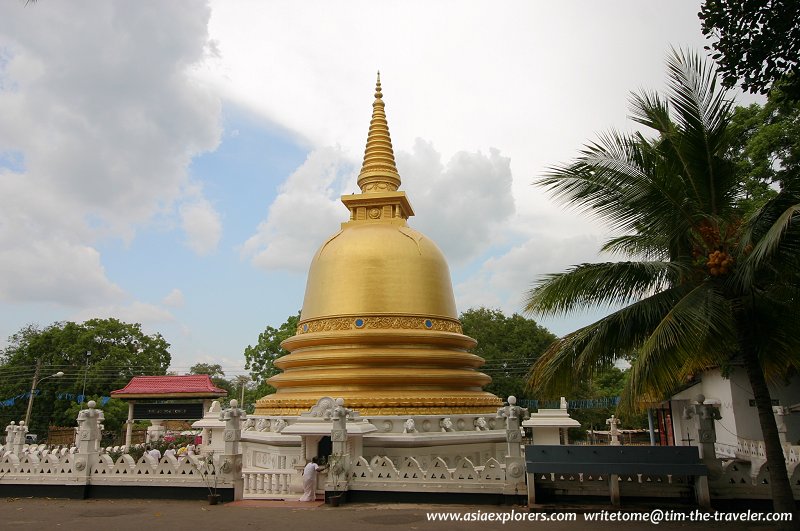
<point x="782" y="497"/>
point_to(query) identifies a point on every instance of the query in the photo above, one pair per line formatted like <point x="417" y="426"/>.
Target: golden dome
<point x="371" y="268"/>
<point x="379" y="325"/>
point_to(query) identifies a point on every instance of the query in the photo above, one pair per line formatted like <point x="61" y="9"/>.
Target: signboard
<point x="174" y="411"/>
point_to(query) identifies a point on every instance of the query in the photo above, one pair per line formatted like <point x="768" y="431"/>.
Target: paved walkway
<point x="152" y="515"/>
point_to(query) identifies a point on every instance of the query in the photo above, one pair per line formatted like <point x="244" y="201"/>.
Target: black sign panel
<point x="176" y="411"/>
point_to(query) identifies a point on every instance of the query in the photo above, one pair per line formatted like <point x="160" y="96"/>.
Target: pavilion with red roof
<point x="160" y="388"/>
<point x="188" y="386"/>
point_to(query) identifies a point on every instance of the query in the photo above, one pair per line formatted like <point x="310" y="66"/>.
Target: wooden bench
<point x="613" y="461"/>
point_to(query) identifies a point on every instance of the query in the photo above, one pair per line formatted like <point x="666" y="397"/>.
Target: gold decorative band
<point x="274" y="405"/>
<point x="385" y="322"/>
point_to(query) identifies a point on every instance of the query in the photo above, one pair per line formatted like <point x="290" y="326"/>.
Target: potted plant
<point x="208" y="471"/>
<point x="337" y="468"/>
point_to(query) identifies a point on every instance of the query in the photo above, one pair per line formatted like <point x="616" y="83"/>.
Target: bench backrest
<point x="676" y="460"/>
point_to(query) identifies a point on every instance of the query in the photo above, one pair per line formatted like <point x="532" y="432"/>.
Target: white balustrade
<point x="276" y="483"/>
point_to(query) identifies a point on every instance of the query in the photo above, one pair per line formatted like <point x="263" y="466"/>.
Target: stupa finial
<point x="378" y="172"/>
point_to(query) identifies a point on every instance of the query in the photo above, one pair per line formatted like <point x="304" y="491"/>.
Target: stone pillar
<point x="515" y="462"/>
<point x="613" y="427"/>
<point x="128" y="429"/>
<point x="340" y="459"/>
<point x="10" y="436"/>
<point x="88" y="442"/>
<point x="230" y="462"/>
<point x="705" y="415"/>
<point x="205" y="439"/>
<point x="650" y="427"/>
<point x="157" y="431"/>
<point x="19" y="438"/>
<point x="613" y="487"/>
<point x="780" y="413"/>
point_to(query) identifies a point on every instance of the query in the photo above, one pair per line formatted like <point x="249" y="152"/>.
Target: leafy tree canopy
<point x="115" y="413"/>
<point x="509" y="345"/>
<point x="214" y="370"/>
<point x="117" y="352"/>
<point x="757" y="42"/>
<point x="608" y="383"/>
<point x="765" y="148"/>
<point x="260" y="359"/>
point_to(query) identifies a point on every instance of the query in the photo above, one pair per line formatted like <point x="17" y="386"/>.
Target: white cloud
<point x="50" y="268"/>
<point x="462" y="206"/>
<point x="202" y="225"/>
<point x="174" y="299"/>
<point x="107" y="116"/>
<point x="503" y="281"/>
<point x="306" y="211"/>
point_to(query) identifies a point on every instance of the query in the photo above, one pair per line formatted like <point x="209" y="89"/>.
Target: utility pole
<point x="33" y="390"/>
<point x="35" y="382"/>
<point x="85" y="372"/>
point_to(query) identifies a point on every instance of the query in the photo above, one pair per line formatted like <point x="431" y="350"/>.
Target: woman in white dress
<point x="310" y="480"/>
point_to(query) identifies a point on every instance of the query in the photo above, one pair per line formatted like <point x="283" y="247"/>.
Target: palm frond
<point x="646" y="246"/>
<point x="683" y="341"/>
<point x="579" y="354"/>
<point x="611" y="283"/>
<point x="617" y="179"/>
<point x="782" y="235"/>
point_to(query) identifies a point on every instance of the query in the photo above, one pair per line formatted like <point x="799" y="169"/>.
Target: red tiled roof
<point x="192" y="385"/>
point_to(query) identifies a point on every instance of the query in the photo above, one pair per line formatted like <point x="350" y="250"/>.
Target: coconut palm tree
<point x="703" y="287"/>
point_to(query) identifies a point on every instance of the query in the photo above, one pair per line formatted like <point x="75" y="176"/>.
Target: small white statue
<point x="262" y="425"/>
<point x="250" y="425"/>
<point x="446" y="424"/>
<point x="409" y="426"/>
<point x="278" y="425"/>
<point x="481" y="424"/>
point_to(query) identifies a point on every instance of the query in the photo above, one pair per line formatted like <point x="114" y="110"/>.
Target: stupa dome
<point x="379" y="268"/>
<point x="379" y="325"/>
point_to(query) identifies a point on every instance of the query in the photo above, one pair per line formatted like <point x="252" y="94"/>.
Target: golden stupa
<point x="379" y="326"/>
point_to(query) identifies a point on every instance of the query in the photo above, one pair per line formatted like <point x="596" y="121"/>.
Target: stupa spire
<point x="378" y="172"/>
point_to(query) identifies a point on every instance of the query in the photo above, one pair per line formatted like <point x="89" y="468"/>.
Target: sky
<point x="178" y="163"/>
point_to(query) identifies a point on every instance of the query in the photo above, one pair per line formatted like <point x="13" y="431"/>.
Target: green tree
<point x="757" y="42"/>
<point x="704" y="286"/>
<point x="509" y="345"/>
<point x="766" y="147"/>
<point x="115" y="413"/>
<point x="608" y="383"/>
<point x="214" y="370"/>
<point x="117" y="352"/>
<point x="260" y="359"/>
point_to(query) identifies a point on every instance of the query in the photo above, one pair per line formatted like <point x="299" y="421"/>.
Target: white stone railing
<point x="66" y="467"/>
<point x="53" y="468"/>
<point x="277" y="483"/>
<point x="724" y="450"/>
<point x="381" y="473"/>
<point x="750" y="449"/>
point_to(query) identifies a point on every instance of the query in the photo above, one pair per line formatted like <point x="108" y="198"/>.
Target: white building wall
<point x="739" y="419"/>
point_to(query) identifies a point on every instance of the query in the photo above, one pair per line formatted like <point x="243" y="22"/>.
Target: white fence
<point x="69" y="468"/>
<point x="382" y="474"/>
<point x="266" y="484"/>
